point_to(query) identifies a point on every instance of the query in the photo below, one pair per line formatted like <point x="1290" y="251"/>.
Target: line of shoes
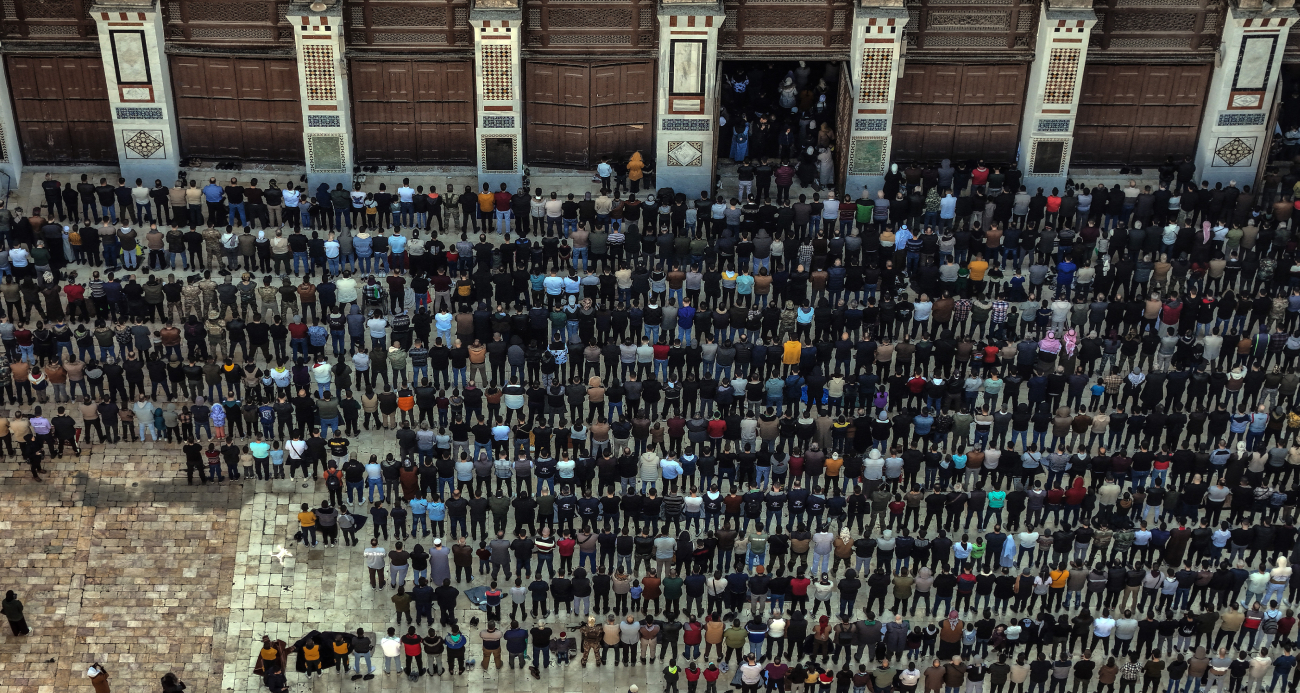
<point x="230" y="166"/>
<point x="374" y="169"/>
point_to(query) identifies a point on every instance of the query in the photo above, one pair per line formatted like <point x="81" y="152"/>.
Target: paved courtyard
<point x="118" y="561"/>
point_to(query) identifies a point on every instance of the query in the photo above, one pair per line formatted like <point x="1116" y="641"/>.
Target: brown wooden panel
<point x="187" y="77"/>
<point x="196" y="136"/>
<point x="371" y="140"/>
<point x="25" y="77"/>
<point x="574" y="87"/>
<point x="286" y="112"/>
<point x="543" y="141"/>
<point x="1093" y="143"/>
<point x="258" y="140"/>
<point x="450" y="142"/>
<point x="968" y="142"/>
<point x="288" y="141"/>
<point x="1000" y="142"/>
<point x="246" y="108"/>
<point x="282" y="80"/>
<point x="1095" y="86"/>
<point x="977" y="84"/>
<point x="367" y="80"/>
<point x="250" y="77"/>
<point x="253" y="110"/>
<point x="944" y="84"/>
<point x="93" y="140"/>
<point x="1156" y="82"/>
<point x="938" y="141"/>
<point x="1139" y="114"/>
<point x="1181" y="140"/>
<point x="397" y="81"/>
<point x="1189" y="85"/>
<point x="401" y="142"/>
<point x="413" y="111"/>
<point x="63" y="116"/>
<point x="956" y="111"/>
<point x="1009" y="84"/>
<point x="223" y="109"/>
<point x="909" y="142"/>
<point x="221" y="81"/>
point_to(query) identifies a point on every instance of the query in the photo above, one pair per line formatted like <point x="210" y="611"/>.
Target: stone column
<point x="1055" y="80"/>
<point x="139" y="89"/>
<point x="11" y="153"/>
<point x="499" y="99"/>
<point x="687" y="95"/>
<point x="1235" y="126"/>
<point x="875" y="65"/>
<point x="323" y="83"/>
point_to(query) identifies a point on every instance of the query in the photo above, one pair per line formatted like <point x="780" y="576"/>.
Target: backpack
<point x="334" y="479"/>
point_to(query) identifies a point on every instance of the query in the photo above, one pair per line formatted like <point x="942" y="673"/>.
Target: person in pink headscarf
<point x="1050" y="344"/>
<point x="1071" y="341"/>
<point x="1206" y="233"/>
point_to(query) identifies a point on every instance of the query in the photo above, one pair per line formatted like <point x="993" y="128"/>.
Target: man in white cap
<point x="439" y="563"/>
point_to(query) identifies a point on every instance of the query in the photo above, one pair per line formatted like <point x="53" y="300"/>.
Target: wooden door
<point x="61" y="105"/>
<point x="958" y="112"/>
<point x="247" y="109"/>
<point x="413" y="111"/>
<point x="577" y="113"/>
<point x="1139" y="114"/>
<point x="558" y="96"/>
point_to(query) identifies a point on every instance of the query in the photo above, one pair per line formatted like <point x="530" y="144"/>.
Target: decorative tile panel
<point x="877" y="64"/>
<point x="1062" y="68"/>
<point x="495" y="58"/>
<point x="867" y="155"/>
<point x="323" y="121"/>
<point x="514" y="149"/>
<point x="1053" y="125"/>
<point x="498" y="121"/>
<point x="1239" y="119"/>
<point x="129" y="113"/>
<point x="685" y="153"/>
<point x="1049" y="156"/>
<point x="871" y="124"/>
<point x="1234" y="151"/>
<point x="325" y="154"/>
<point x="143" y="144"/>
<point x="318" y="71"/>
<point x="686" y="124"/>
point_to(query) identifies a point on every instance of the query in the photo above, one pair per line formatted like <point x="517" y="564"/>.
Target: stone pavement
<point x="115" y="563"/>
<point x="118" y="561"/>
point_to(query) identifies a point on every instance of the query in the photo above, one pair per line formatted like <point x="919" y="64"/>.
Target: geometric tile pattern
<point x="867" y="155"/>
<point x="1033" y="154"/>
<point x="496" y="61"/>
<point x="143" y="143"/>
<point x="514" y="148"/>
<point x="498" y="121"/>
<point x="318" y="71"/>
<point x="1236" y="119"/>
<point x="685" y="153"/>
<point x="870" y="124"/>
<point x="128" y="113"/>
<point x="686" y="125"/>
<point x="325" y="154"/>
<point x="1234" y="150"/>
<point x="877" y="64"/>
<point x="1061" y="71"/>
<point x="1053" y="125"/>
<point x="323" y="121"/>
